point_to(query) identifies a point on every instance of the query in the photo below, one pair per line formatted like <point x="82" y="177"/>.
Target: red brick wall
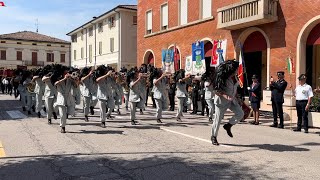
<point x="283" y="34"/>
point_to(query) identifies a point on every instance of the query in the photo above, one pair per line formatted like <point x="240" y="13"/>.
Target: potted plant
<point x="314" y="111"/>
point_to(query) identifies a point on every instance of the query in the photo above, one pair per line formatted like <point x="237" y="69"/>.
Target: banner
<point x="219" y="52"/>
<point x="189" y="65"/>
<point x="198" y="61"/>
<point x="168" y="60"/>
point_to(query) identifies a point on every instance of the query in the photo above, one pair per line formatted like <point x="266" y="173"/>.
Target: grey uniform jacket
<point x="105" y="89"/>
<point x="181" y="90"/>
<point x="50" y="91"/>
<point x="209" y="92"/>
<point x="87" y="87"/>
<point x="64" y="93"/>
<point x="134" y="93"/>
<point x="159" y="89"/>
<point x="230" y="90"/>
<point x="39" y="88"/>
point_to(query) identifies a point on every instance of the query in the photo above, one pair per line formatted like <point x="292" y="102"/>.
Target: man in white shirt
<point x="304" y="94"/>
<point x="5" y="82"/>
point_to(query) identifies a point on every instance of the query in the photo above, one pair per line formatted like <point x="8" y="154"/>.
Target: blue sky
<point x="55" y="17"/>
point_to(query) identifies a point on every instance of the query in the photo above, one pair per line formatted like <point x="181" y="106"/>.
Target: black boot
<point x="29" y="112"/>
<point x="227" y="127"/>
<point x="119" y="112"/>
<point x="159" y="121"/>
<point x="44" y="109"/>
<point x="49" y="121"/>
<point x="33" y="108"/>
<point x="54" y="115"/>
<point x="210" y="120"/>
<point x="133" y="122"/>
<point x="91" y="110"/>
<point x="179" y="120"/>
<point x="63" y="130"/>
<point x="214" y="141"/>
<point x="24" y="108"/>
<point x="39" y="115"/>
<point x="86" y="119"/>
<point x="141" y="112"/>
<point x="103" y="124"/>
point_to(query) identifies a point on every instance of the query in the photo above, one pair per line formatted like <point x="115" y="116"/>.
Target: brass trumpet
<point x="31" y="87"/>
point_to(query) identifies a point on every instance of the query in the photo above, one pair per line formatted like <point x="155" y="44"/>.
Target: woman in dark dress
<point x="255" y="98"/>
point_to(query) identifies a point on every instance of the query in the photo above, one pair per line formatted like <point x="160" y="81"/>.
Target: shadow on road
<point x="127" y="166"/>
<point x="271" y="147"/>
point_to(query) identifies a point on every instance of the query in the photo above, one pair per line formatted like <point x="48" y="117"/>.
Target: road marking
<point x="2" y="153"/>
<point x="16" y="114"/>
<point x="193" y="137"/>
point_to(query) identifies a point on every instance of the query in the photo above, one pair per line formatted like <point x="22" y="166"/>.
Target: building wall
<point x="128" y="47"/>
<point x="283" y="35"/>
<point x="27" y="48"/>
<point x="128" y="39"/>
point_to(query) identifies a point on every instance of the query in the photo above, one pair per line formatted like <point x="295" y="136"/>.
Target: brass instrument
<point x="31" y="87"/>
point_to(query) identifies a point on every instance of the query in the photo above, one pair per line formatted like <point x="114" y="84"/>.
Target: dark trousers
<point x="277" y="109"/>
<point x="302" y="114"/>
<point x="147" y="96"/>
<point x="172" y="103"/>
<point x="195" y="99"/>
<point x="204" y="106"/>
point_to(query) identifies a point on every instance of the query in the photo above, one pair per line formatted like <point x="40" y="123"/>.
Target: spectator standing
<point x="303" y="94"/>
<point x="255" y="99"/>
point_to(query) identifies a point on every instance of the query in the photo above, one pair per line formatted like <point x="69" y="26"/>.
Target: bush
<point x="315" y="103"/>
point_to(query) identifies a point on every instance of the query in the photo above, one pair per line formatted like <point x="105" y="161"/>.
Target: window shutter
<point x="164" y="13"/>
<point x="206" y="8"/>
<point x="183" y="12"/>
<point x="149" y="20"/>
<point x="111" y="44"/>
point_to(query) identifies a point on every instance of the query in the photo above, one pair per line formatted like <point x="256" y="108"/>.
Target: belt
<point x="302" y="100"/>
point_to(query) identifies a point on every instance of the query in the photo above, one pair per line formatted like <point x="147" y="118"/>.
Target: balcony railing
<point x="247" y="13"/>
<point x="37" y="63"/>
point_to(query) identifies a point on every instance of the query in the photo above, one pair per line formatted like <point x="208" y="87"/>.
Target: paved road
<point x="36" y="150"/>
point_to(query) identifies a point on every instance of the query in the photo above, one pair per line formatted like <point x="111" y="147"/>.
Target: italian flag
<point x="240" y="70"/>
<point x="289" y="65"/>
<point x="2" y="3"/>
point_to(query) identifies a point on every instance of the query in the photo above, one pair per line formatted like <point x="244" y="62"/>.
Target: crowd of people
<point x="62" y="88"/>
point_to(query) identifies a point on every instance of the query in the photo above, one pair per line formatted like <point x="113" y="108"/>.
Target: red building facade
<point x="269" y="30"/>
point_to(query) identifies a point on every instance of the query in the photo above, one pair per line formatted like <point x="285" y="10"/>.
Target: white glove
<point x="248" y="88"/>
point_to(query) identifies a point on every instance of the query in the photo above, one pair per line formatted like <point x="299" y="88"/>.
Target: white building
<point x="110" y="39"/>
<point x="32" y="49"/>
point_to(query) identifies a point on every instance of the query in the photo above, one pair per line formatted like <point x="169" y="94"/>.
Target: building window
<point x="34" y="44"/>
<point x="63" y="46"/>
<point x="183" y="12"/>
<point x="111" y="44"/>
<point x="90" y="53"/>
<point x="19" y="55"/>
<point x="74" y="38"/>
<point x="135" y="20"/>
<point x="164" y="17"/>
<point x="63" y="58"/>
<point x="74" y="54"/>
<point x="111" y="22"/>
<point x="50" y="57"/>
<point x="3" y="41"/>
<point x="34" y="57"/>
<point x="3" y="55"/>
<point x="206" y="8"/>
<point x="48" y="44"/>
<point x="91" y="31"/>
<point x="19" y="43"/>
<point x="82" y="51"/>
<point x="81" y="35"/>
<point x="100" y="47"/>
<point x="100" y="27"/>
<point x="149" y="22"/>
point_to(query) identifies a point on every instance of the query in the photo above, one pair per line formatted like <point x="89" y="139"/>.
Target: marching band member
<point x="63" y="103"/>
<point x="136" y="101"/>
<point x="104" y="93"/>
<point x="39" y="90"/>
<point x="118" y="91"/>
<point x="143" y="88"/>
<point x="23" y="92"/>
<point x="49" y="95"/>
<point x="75" y="92"/>
<point x="125" y="88"/>
<point x="182" y="93"/>
<point x="209" y="94"/>
<point x="226" y="84"/>
<point x="87" y="91"/>
<point x="29" y="86"/>
<point x="159" y="94"/>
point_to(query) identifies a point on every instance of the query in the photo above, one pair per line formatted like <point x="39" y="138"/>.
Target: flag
<point x="289" y="65"/>
<point x="176" y="58"/>
<point x="2" y="3"/>
<point x="240" y="70"/>
<point x="214" y="59"/>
